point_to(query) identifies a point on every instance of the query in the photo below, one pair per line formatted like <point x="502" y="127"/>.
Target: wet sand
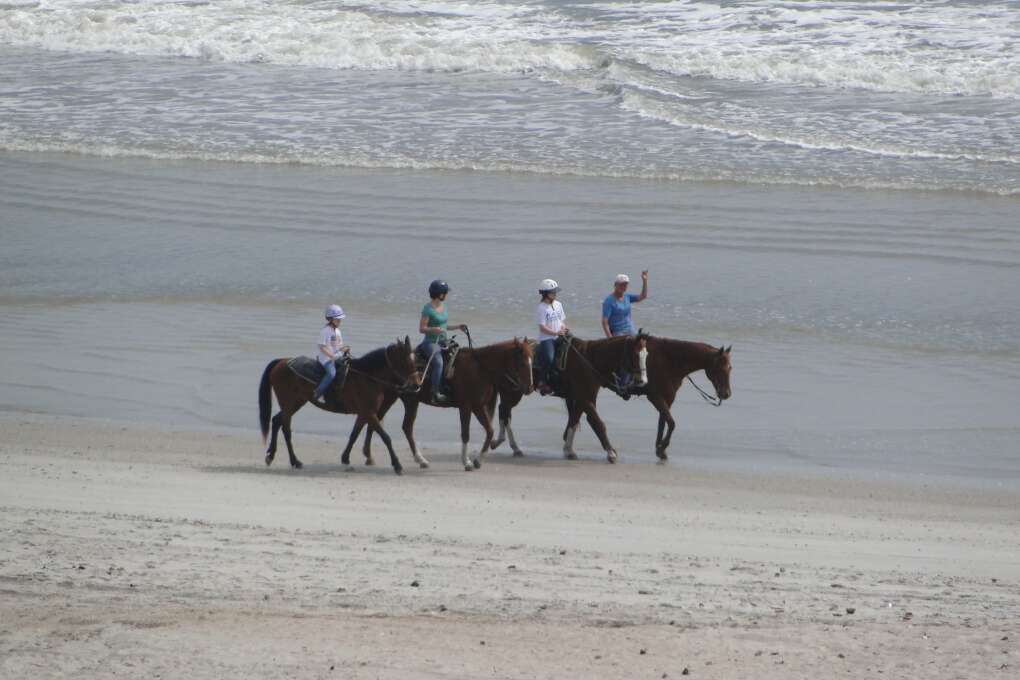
<point x="146" y="552"/>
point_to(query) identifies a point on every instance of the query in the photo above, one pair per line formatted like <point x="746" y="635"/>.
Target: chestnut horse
<point x="479" y="374"/>
<point x="590" y="365"/>
<point x="669" y="362"/>
<point x="371" y="380"/>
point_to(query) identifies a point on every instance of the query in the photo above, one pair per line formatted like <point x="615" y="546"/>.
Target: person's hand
<point x="644" y="275"/>
<point x="462" y="327"/>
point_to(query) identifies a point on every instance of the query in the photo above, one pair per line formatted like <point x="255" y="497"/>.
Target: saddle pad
<point x="307" y="368"/>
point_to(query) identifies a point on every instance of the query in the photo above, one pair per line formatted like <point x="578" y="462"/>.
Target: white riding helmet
<point x="622" y="278"/>
<point x="335" y="312"/>
<point x="548" y="286"/>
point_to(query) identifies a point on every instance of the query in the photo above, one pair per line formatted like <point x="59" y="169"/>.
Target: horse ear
<point x="407" y="341"/>
<point x="722" y="350"/>
<point x="729" y="349"/>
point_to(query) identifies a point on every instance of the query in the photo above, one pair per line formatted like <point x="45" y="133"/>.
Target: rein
<point x="401" y="388"/>
<point x="605" y="383"/>
<point x="714" y="401"/>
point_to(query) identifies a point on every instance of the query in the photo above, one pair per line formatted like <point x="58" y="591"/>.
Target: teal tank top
<point x="435" y="319"/>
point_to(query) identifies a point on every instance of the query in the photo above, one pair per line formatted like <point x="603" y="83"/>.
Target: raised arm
<point x="644" y="286"/>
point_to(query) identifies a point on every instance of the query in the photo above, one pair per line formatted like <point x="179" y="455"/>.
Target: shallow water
<point x="831" y="187"/>
<point x="874" y="333"/>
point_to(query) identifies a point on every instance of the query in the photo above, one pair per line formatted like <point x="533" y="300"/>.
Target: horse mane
<point x="684" y="346"/>
<point x="678" y="344"/>
<point x="373" y="361"/>
<point x="598" y="349"/>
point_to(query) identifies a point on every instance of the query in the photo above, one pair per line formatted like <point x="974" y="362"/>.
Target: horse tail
<point x="266" y="399"/>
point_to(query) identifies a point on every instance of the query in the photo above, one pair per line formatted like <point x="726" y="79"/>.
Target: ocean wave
<point x="106" y="150"/>
<point x="692" y="117"/>
<point x="926" y="48"/>
<point x="293" y="35"/>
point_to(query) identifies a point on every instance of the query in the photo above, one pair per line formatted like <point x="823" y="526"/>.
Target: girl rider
<point x="551" y="325"/>
<point x="331" y="346"/>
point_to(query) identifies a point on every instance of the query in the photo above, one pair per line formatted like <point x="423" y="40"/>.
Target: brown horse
<point x="669" y="362"/>
<point x="479" y="374"/>
<point x="590" y="365"/>
<point x="371" y="380"/>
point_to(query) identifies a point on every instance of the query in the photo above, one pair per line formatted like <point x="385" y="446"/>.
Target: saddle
<point x="450" y="351"/>
<point x="310" y="370"/>
<point x="558" y="366"/>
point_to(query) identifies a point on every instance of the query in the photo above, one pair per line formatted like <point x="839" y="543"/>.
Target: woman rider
<point x="433" y="325"/>
<point x="616" y="319"/>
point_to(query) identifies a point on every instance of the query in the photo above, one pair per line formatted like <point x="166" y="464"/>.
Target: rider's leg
<point x="326" y="380"/>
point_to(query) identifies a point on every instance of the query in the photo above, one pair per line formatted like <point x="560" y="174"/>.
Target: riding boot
<point x="438" y="397"/>
<point x="622" y="389"/>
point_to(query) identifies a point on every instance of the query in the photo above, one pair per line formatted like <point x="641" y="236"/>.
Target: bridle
<point x="714" y="401"/>
<point x="403" y="387"/>
<point x="508" y="376"/>
<point x="606" y="382"/>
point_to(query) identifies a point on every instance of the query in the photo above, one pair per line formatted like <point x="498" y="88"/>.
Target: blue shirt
<point x="618" y="313"/>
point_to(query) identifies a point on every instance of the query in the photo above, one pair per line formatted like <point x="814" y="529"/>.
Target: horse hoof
<point x="611" y="457"/>
<point x="424" y="464"/>
<point x="477" y="463"/>
<point x="269" y="460"/>
<point x="469" y="468"/>
<point x="494" y="445"/>
<point x="518" y="453"/>
<point x="348" y="468"/>
<point x="297" y="465"/>
<point x="570" y="456"/>
<point x="369" y="462"/>
<point x="398" y="471"/>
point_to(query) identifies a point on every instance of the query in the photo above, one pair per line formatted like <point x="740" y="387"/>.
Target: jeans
<point x="546" y="358"/>
<point x="623" y="376"/>
<point x="330" y="367"/>
<point x="432" y="349"/>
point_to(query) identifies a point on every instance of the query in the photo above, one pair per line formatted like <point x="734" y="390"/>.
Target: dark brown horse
<point x="479" y="374"/>
<point x="669" y="362"/>
<point x="371" y="380"/>
<point x="590" y="365"/>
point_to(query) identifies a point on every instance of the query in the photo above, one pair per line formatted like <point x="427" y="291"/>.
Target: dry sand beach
<point x="133" y="551"/>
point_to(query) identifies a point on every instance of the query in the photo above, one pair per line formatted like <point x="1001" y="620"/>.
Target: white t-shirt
<point x="551" y="316"/>
<point x="330" y="337"/>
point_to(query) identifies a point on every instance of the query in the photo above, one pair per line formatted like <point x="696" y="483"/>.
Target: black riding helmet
<point x="437" y="288"/>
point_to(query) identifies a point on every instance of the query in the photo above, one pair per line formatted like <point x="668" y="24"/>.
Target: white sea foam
<point x="291" y="34"/>
<point x="938" y="48"/>
<point x="831" y="139"/>
<point x="397" y="162"/>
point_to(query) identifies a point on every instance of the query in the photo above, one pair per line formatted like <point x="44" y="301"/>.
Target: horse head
<point x="401" y="358"/>
<point x="635" y="355"/>
<point x="523" y="361"/>
<point x="718" y="371"/>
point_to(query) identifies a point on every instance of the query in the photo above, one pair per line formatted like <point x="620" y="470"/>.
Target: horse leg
<point x="600" y="431"/>
<point x="345" y="458"/>
<point x="505" y="410"/>
<point x="658" y="437"/>
<point x="485" y="419"/>
<point x="271" y="451"/>
<point x="367" y="448"/>
<point x="410" y="413"/>
<point x="670" y="425"/>
<point x="501" y="437"/>
<point x="573" y="420"/>
<point x="374" y="423"/>
<point x="294" y="462"/>
<point x="465" y="434"/>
